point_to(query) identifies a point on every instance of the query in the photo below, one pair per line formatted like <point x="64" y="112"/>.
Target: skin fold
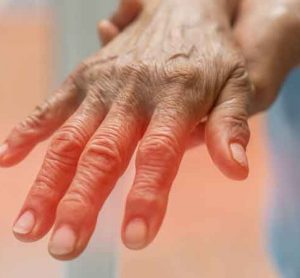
<point x="172" y="70"/>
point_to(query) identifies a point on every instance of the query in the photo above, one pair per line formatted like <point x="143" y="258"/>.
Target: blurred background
<point x="214" y="227"/>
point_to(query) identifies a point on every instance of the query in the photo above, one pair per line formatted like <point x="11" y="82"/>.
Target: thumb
<point x="270" y="42"/>
<point x="107" y="31"/>
<point x="227" y="132"/>
<point x="127" y="11"/>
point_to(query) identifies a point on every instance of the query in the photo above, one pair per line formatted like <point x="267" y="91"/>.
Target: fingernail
<point x="3" y="150"/>
<point x="25" y="223"/>
<point x="136" y="234"/>
<point x="239" y="154"/>
<point x="63" y="241"/>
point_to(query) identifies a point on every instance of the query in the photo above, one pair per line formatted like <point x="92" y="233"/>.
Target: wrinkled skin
<point x="165" y="77"/>
<point x="267" y="32"/>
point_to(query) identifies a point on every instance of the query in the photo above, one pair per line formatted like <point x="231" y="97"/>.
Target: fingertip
<point x="10" y="157"/>
<point x="31" y="227"/>
<point x="238" y="153"/>
<point x="105" y="24"/>
<point x="229" y="156"/>
<point x="127" y="12"/>
<point x="236" y="165"/>
<point x="62" y="244"/>
<point x="135" y="234"/>
<point x="3" y="154"/>
<point x="240" y="170"/>
<point x="107" y="31"/>
<point x="3" y="149"/>
<point x="24" y="226"/>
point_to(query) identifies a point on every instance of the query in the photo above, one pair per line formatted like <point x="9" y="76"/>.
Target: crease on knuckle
<point x="67" y="145"/>
<point x="44" y="189"/>
<point x="240" y="76"/>
<point x="35" y="120"/>
<point x="159" y="150"/>
<point x="156" y="177"/>
<point x="103" y="156"/>
<point x="242" y="89"/>
<point x="238" y="127"/>
<point x="138" y="77"/>
<point x="79" y="197"/>
<point x="147" y="197"/>
<point x="98" y="100"/>
<point x="137" y="69"/>
<point x="238" y="69"/>
<point x="187" y="74"/>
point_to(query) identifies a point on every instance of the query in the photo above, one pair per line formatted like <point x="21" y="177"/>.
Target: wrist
<point x="198" y="12"/>
<point x="213" y="7"/>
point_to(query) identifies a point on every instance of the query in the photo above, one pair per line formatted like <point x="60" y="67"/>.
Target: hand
<point x="268" y="34"/>
<point x="155" y="83"/>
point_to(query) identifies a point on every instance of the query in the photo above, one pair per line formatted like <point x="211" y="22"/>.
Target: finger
<point x="157" y="163"/>
<point x="227" y="132"/>
<point x="197" y="136"/>
<point x="40" y="124"/>
<point x="58" y="169"/>
<point x="127" y="11"/>
<point x="259" y="47"/>
<point x="103" y="161"/>
<point x="107" y="31"/>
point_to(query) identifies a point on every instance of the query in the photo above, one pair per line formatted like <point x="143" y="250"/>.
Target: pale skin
<point x="180" y="70"/>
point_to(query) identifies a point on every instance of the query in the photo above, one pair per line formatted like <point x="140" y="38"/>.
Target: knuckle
<point x="79" y="77"/>
<point x="137" y="74"/>
<point x="240" y="74"/>
<point x="44" y="189"/>
<point x="146" y="197"/>
<point x="152" y="73"/>
<point x="103" y="155"/>
<point x="234" y="66"/>
<point x="241" y="87"/>
<point x="84" y="75"/>
<point x="67" y="145"/>
<point x="158" y="149"/>
<point x="186" y="74"/>
<point x="41" y="111"/>
<point x="35" y="120"/>
<point x="98" y="100"/>
<point x="238" y="127"/>
<point x="78" y="198"/>
<point x="28" y="126"/>
<point x="158" y="73"/>
<point x="133" y="68"/>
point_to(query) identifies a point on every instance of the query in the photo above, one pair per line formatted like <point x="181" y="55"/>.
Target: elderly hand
<point x="268" y="34"/>
<point x="173" y="67"/>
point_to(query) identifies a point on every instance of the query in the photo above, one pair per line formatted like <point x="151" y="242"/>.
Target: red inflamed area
<point x="213" y="225"/>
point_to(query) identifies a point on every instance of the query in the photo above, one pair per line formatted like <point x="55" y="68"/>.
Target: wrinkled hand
<point x="153" y="84"/>
<point x="267" y="32"/>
